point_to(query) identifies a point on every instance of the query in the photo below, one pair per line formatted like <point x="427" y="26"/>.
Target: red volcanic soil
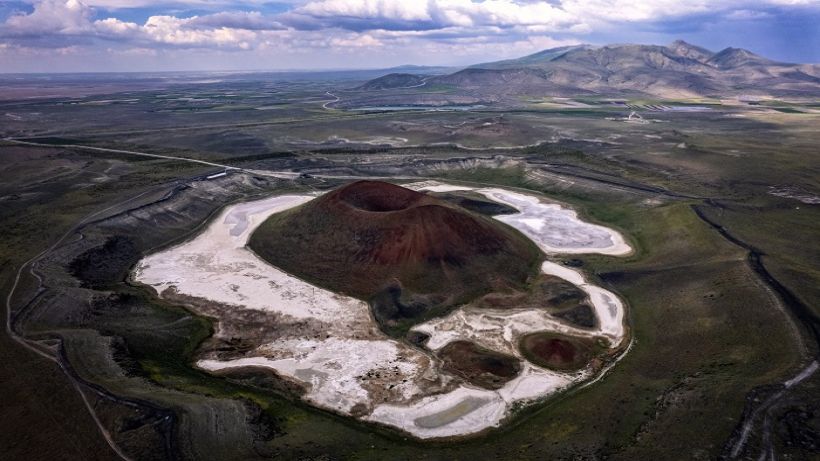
<point x="550" y="350"/>
<point x="555" y="349"/>
<point x="405" y="251"/>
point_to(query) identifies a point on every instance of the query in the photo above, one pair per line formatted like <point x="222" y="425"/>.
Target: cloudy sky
<point x="150" y="35"/>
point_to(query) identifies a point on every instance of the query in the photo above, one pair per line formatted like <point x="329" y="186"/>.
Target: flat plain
<point x="719" y="206"/>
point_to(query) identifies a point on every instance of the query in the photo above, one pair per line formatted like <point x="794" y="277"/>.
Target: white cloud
<point x="124" y="4"/>
<point x="51" y="16"/>
<point x="432" y="14"/>
<point x="358" y="41"/>
<point x="505" y="13"/>
<point x="235" y="20"/>
<point x="746" y="15"/>
<point x="636" y="10"/>
<point x="52" y="19"/>
<point x="372" y="9"/>
<point x="175" y="31"/>
<point x="446" y="28"/>
<point x="467" y="18"/>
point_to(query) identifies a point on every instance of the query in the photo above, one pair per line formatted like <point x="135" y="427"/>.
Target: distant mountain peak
<point x="535" y="59"/>
<point x="682" y="44"/>
<point x="395" y="80"/>
<point x="690" y="51"/>
<point x="728" y="58"/>
<point x="551" y="53"/>
<point x="679" y="70"/>
<point x="736" y="51"/>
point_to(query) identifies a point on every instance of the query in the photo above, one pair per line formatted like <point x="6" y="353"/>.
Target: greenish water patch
<point x="454" y="413"/>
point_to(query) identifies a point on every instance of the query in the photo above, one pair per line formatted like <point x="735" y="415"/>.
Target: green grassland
<point x="706" y="329"/>
<point x="696" y="314"/>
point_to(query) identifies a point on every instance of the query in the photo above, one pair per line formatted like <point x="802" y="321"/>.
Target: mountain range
<point x="680" y="70"/>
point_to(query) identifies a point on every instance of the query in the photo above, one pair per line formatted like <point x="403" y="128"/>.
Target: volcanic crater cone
<point x="409" y="254"/>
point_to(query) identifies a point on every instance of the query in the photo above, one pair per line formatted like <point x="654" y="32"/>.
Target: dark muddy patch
<point x="479" y="366"/>
<point x="546" y="292"/>
<point x="104" y="265"/>
<point x="556" y="352"/>
<point x="417" y="338"/>
<point x="262" y="378"/>
<point x="393" y="304"/>
<point x="581" y="315"/>
<point x="477" y="204"/>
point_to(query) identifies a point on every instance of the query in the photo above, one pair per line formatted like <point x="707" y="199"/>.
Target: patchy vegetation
<point x="102" y="266"/>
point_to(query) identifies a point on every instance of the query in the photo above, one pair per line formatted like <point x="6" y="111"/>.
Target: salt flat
<point x="346" y="364"/>
<point x="554" y="228"/>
